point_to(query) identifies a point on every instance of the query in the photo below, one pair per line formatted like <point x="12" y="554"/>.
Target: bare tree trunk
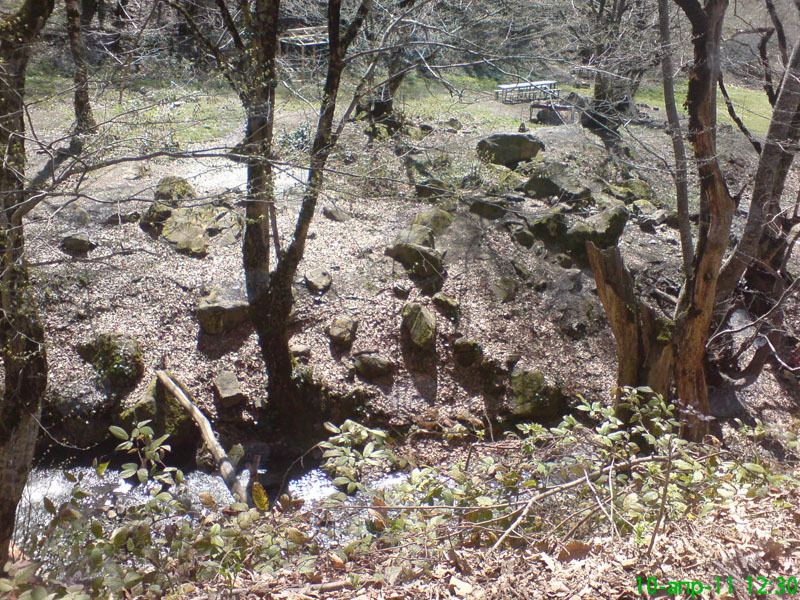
<point x="678" y="147"/>
<point x="773" y="167"/>
<point x="696" y="304"/>
<point x="21" y="332"/>
<point x="84" y="119"/>
<point x="645" y="350"/>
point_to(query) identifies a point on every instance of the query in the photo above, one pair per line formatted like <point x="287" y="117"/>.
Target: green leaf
<point x="331" y="427"/>
<point x="118" y="432"/>
<point x="260" y="498"/>
<point x="754" y="468"/>
<point x="49" y="506"/>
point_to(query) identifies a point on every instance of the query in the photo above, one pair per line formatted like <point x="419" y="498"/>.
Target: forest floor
<point x="135" y="284"/>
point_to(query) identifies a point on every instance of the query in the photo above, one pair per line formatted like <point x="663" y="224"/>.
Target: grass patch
<point x="751" y="105"/>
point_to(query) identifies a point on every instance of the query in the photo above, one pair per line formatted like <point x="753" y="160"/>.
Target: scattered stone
<point x="552" y="180"/>
<point x="504" y="289"/>
<point x="493" y="374"/>
<point x="508" y="149"/>
<point x="467" y="352"/>
<point x="172" y="189"/>
<point x="419" y="260"/>
<point x="119" y="219"/>
<point x="77" y="244"/>
<point x="549" y="224"/>
<point x="300" y="350"/>
<point x="226" y="385"/>
<point x="603" y="229"/>
<point x="420" y="324"/>
<point x="448" y="306"/>
<point x="318" y="281"/>
<point x="222" y="310"/>
<point x="117" y="358"/>
<point x="520" y="269"/>
<point x="369" y="365"/>
<point x="531" y="397"/>
<point x="549" y="116"/>
<point x="401" y="291"/>
<point x="564" y="260"/>
<point x="524" y="237"/>
<point x="434" y="218"/>
<point x="454" y="123"/>
<point x="342" y="332"/>
<point x="644" y="207"/>
<point x="631" y="190"/>
<point x="336" y="214"/>
<point x="487" y="209"/>
<point x="430" y="188"/>
<point x="419" y="235"/>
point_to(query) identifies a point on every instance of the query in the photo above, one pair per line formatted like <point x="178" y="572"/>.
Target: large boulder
<point x="531" y="396"/>
<point x="222" y="310"/>
<point x="602" y="229"/>
<point x="419" y="323"/>
<point x="508" y="149"/>
<point x="169" y="193"/>
<point x="554" y="181"/>
<point x="117" y="358"/>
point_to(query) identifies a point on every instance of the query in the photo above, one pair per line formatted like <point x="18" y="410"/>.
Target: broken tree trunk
<point x="226" y="469"/>
<point x="644" y="341"/>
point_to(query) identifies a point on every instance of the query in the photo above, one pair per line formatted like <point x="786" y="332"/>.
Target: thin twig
<point x="663" y="509"/>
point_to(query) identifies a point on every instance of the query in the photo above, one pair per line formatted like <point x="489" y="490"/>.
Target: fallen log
<point x="224" y="465"/>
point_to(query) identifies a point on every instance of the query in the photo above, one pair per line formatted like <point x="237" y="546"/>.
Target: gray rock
<point x="119" y="219"/>
<point x="532" y="397"/>
<point x="222" y="310"/>
<point x="430" y="188"/>
<point x="603" y="229"/>
<point x="81" y="416"/>
<point x="549" y="116"/>
<point x="508" y="149"/>
<point x="300" y="350"/>
<point x="487" y="209"/>
<point x="77" y="243"/>
<point x="318" y="281"/>
<point x="420" y="261"/>
<point x="420" y="325"/>
<point x="448" y="306"/>
<point x="171" y="190"/>
<point x="336" y="214"/>
<point x="524" y="237"/>
<point x="401" y="291"/>
<point x="504" y="289"/>
<point x="644" y="207"/>
<point x="370" y="365"/>
<point x="549" y="224"/>
<point x="416" y="234"/>
<point x="454" y="123"/>
<point x="226" y="385"/>
<point x="342" y="331"/>
<point x="435" y="218"/>
<point x="553" y="180"/>
<point x="467" y="352"/>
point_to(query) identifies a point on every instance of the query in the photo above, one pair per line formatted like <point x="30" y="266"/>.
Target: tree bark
<point x="678" y="147"/>
<point x="21" y="332"/>
<point x="84" y="119"/>
<point x="696" y="304"/>
<point x="645" y="349"/>
<point x="773" y="167"/>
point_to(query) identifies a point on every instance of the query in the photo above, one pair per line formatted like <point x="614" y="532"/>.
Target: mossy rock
<point x="420" y="325"/>
<point x="532" y="397"/>
<point x="166" y="414"/>
<point x="467" y="351"/>
<point x="172" y="189"/>
<point x="436" y="219"/>
<point x="117" y="358"/>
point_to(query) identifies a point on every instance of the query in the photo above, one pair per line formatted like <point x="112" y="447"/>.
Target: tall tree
<point x="21" y="331"/>
<point x="84" y="119"/>
<point x="251" y="71"/>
